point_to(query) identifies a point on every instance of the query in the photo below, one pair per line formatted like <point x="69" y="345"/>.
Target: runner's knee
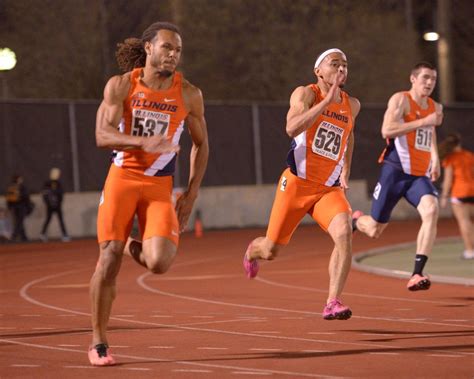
<point x="110" y="259"/>
<point x="429" y="211"/>
<point x="159" y="265"/>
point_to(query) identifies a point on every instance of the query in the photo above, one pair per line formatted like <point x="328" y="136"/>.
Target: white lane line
<point x="322" y="333"/>
<point x="401" y="299"/>
<point x="202" y="317"/>
<point x="126" y="316"/>
<point x="77" y="366"/>
<point x="24" y="294"/>
<point x="456" y="320"/>
<point x="152" y="359"/>
<point x="212" y="322"/>
<point x="67" y="315"/>
<point x="162" y="316"/>
<point x="265" y="332"/>
<point x="119" y="347"/>
<point x="135" y="368"/>
<point x="42" y="328"/>
<point x="24" y="365"/>
<point x="67" y="345"/>
<point x="193" y="371"/>
<point x="445" y="356"/>
<point x="291" y="318"/>
<point x="30" y="315"/>
<point x="263" y="349"/>
<point x="161" y="347"/>
<point x="141" y="282"/>
<point x="251" y="373"/>
<point x="212" y="348"/>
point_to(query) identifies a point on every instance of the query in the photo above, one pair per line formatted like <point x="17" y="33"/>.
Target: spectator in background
<point x="53" y="195"/>
<point x="20" y="206"/>
<point x="458" y="185"/>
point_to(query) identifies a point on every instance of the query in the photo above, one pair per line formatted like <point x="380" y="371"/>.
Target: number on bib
<point x="148" y="123"/>
<point x="423" y="138"/>
<point x="328" y="140"/>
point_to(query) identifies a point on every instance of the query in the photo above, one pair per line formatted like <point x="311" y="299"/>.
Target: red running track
<point x="204" y="319"/>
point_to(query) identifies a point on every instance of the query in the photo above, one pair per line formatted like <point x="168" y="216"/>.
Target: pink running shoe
<point x="355" y="216"/>
<point x="251" y="267"/>
<point x="418" y="282"/>
<point x="99" y="355"/>
<point x="335" y="310"/>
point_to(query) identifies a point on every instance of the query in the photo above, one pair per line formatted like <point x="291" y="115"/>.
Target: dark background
<point x="239" y="52"/>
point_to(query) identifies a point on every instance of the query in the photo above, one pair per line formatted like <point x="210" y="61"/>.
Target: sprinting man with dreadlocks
<point x="141" y="117"/>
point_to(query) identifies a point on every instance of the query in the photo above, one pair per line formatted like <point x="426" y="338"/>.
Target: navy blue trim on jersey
<point x="393" y="184"/>
<point x="169" y="168"/>
<point x="290" y="159"/>
<point x="391" y="155"/>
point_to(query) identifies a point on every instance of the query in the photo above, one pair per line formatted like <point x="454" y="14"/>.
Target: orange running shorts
<point x="296" y="197"/>
<point x="128" y="193"/>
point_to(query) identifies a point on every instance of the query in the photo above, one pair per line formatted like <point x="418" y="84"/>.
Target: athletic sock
<point x="420" y="261"/>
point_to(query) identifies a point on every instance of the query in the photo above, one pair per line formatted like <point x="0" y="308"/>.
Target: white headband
<point x="325" y="54"/>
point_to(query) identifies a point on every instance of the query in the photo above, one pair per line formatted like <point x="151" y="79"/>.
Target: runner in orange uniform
<point x="410" y="163"/>
<point x="142" y="117"/>
<point x="320" y="121"/>
<point x="458" y="186"/>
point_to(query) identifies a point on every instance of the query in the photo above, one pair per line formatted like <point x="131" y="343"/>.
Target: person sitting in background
<point x="458" y="186"/>
<point x="20" y="206"/>
<point x="53" y="195"/>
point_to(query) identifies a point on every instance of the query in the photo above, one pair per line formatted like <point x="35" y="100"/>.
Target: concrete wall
<point x="220" y="207"/>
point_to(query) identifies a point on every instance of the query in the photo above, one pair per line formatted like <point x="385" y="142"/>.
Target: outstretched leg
<point x="340" y="230"/>
<point x="428" y="210"/>
<point x="102" y="293"/>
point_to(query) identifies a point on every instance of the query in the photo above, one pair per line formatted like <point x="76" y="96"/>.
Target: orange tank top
<point x="414" y="148"/>
<point x="317" y="154"/>
<point x="462" y="163"/>
<point x="148" y="112"/>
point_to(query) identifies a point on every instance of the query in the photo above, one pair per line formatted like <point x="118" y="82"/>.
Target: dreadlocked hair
<point x="447" y="146"/>
<point x="131" y="53"/>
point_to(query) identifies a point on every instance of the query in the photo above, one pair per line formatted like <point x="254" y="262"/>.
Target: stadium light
<point x="7" y="63"/>
<point x="431" y="36"/>
<point x="7" y="59"/>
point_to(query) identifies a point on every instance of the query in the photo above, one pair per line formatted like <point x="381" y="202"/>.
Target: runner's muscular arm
<point x="435" y="164"/>
<point x="346" y="169"/>
<point x="393" y="124"/>
<point x="197" y="127"/>
<point x="302" y="112"/>
<point x="110" y="113"/>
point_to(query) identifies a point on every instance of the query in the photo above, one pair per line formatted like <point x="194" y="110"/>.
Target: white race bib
<point x="328" y="140"/>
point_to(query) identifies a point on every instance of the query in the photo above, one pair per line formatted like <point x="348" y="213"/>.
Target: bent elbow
<point x="290" y="132"/>
<point x="100" y="140"/>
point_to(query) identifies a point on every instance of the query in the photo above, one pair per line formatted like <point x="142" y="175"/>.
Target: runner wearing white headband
<point x="326" y="53"/>
<point x="320" y="121"/>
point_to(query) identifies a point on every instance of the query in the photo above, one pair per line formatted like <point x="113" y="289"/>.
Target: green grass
<point x="445" y="260"/>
